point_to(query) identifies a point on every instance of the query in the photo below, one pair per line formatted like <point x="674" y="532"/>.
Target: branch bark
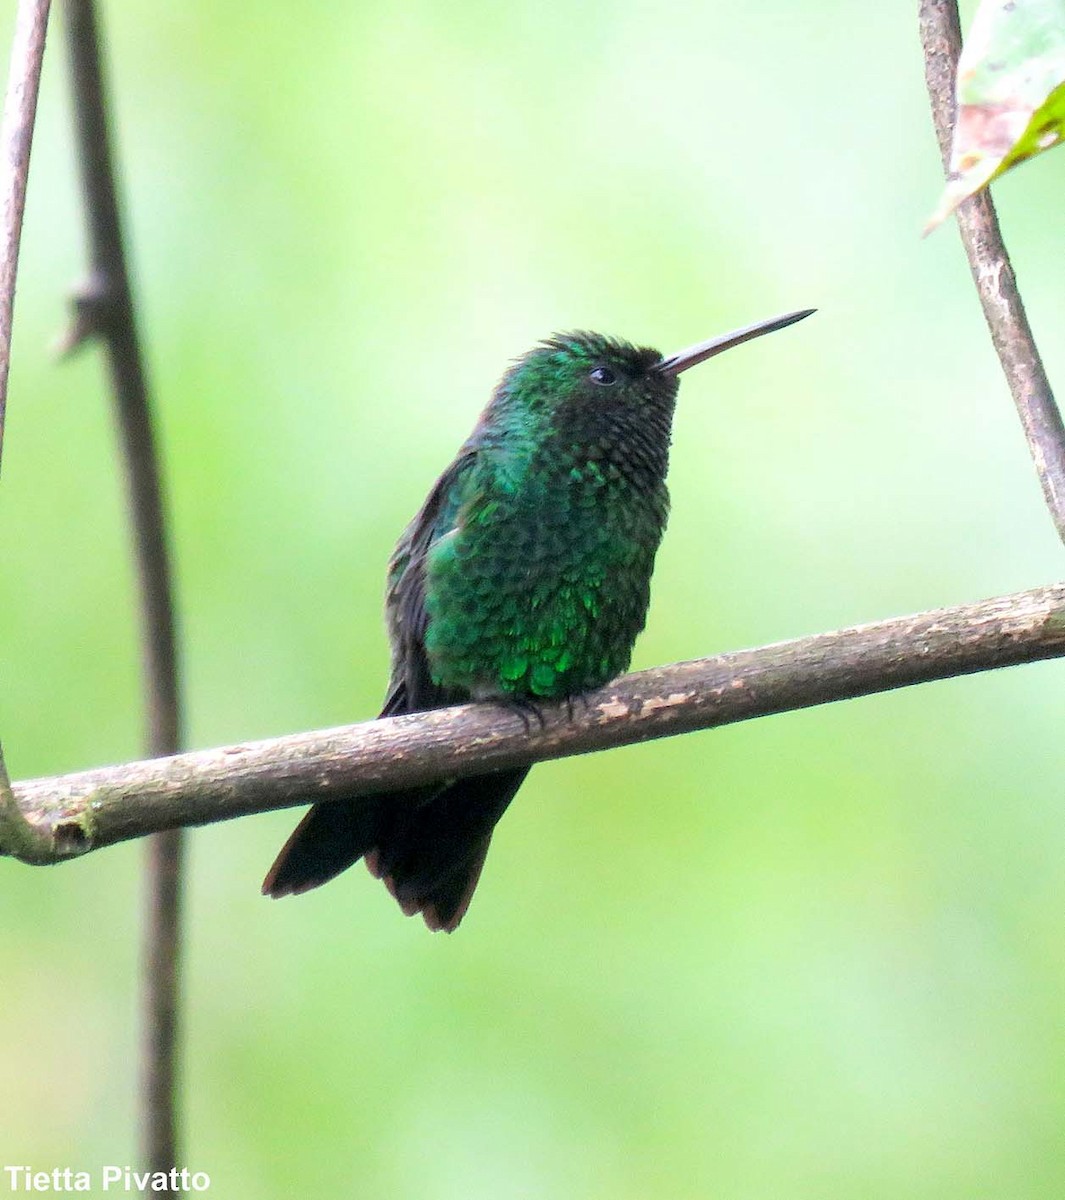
<point x="104" y="308"/>
<point x="993" y="275"/>
<point x="93" y="809"/>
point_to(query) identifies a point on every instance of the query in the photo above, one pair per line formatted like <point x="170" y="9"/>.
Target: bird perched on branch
<point x="524" y="577"/>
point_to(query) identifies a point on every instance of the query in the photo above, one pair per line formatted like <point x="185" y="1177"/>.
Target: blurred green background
<point x="817" y="955"/>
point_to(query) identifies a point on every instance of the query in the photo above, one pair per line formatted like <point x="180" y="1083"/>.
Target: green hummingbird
<point x="524" y="577"/>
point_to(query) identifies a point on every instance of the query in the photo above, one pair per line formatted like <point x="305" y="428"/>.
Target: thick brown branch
<point x="16" y="138"/>
<point x="114" y="804"/>
<point x="104" y="309"/>
<point x="996" y="283"/>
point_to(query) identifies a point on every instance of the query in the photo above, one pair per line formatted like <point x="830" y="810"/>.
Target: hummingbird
<point x="524" y="578"/>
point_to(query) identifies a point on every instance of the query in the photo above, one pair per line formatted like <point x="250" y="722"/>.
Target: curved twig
<point x="16" y="139"/>
<point x="29" y="841"/>
<point x="996" y="283"/>
<point x="97" y="808"/>
<point x="104" y="309"/>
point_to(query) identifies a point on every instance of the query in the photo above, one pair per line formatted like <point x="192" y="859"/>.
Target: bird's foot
<point x="523" y="707"/>
<point x="580" y="698"/>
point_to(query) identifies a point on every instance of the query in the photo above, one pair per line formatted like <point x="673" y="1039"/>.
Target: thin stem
<point x="115" y="804"/>
<point x="16" y="139"/>
<point x="996" y="283"/>
<point x="106" y="310"/>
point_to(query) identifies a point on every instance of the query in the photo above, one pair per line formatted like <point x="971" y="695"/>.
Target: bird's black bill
<point x="673" y="364"/>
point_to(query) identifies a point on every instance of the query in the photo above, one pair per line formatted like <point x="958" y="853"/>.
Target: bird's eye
<point x="603" y="376"/>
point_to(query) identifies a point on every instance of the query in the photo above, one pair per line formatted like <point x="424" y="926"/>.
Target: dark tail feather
<point x="329" y="839"/>
<point x="427" y="845"/>
<point x="430" y="855"/>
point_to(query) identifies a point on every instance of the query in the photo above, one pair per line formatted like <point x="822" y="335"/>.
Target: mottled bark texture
<point x="92" y="809"/>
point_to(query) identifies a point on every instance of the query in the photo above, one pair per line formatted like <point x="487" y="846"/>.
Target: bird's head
<point x="578" y="377"/>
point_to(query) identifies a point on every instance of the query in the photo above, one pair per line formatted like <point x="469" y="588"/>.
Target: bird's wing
<point x="411" y="687"/>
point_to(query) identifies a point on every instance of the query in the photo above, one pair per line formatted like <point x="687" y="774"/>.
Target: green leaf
<point x="1010" y="94"/>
